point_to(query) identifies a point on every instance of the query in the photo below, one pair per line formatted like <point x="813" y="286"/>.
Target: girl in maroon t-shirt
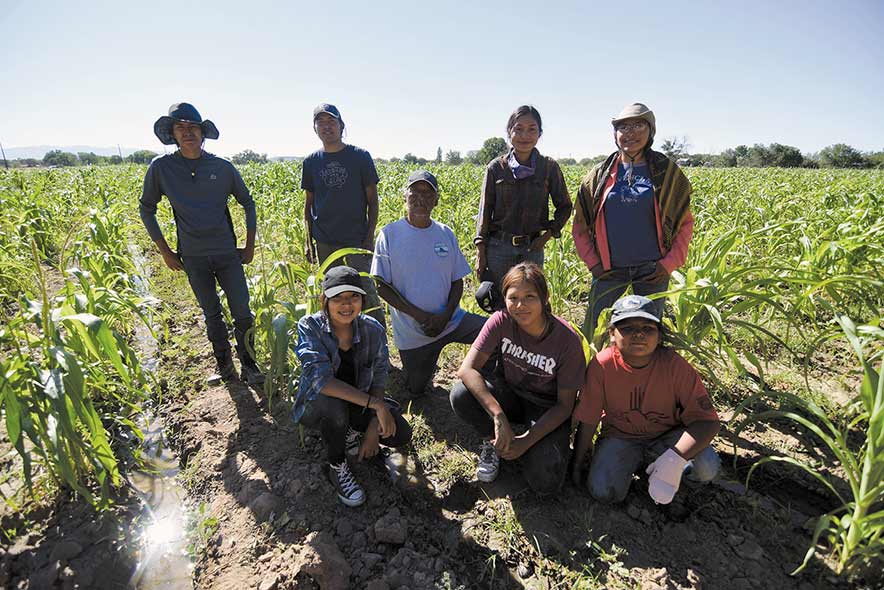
<point x="540" y="366"/>
<point x="652" y="406"/>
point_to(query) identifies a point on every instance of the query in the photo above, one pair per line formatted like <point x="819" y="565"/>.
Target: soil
<point x="272" y="521"/>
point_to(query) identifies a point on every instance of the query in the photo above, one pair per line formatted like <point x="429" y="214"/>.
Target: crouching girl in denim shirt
<point x="344" y="362"/>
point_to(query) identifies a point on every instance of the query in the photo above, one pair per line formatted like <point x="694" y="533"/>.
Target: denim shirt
<point x="320" y="357"/>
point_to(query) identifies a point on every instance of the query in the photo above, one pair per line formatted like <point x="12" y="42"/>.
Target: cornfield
<point x="783" y="264"/>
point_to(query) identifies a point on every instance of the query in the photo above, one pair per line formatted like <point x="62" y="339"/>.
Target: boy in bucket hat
<point x="198" y="185"/>
<point x="653" y="409"/>
<point x="421" y="270"/>
<point x="341" y="203"/>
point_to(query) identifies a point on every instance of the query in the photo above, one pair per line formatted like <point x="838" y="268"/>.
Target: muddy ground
<point x="269" y="520"/>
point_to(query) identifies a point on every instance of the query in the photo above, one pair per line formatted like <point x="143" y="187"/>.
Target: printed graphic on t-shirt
<point x="534" y="363"/>
<point x="639" y="420"/>
<point x="334" y="175"/>
<point x="441" y="249"/>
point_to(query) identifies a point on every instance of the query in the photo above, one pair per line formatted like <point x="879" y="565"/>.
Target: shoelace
<point x="345" y="479"/>
<point x="488" y="454"/>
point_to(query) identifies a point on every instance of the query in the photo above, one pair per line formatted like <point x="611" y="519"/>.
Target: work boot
<point x="251" y="374"/>
<point x="225" y="369"/>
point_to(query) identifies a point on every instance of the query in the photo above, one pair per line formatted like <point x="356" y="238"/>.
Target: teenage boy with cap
<point x="198" y="185"/>
<point x="421" y="270"/>
<point x="341" y="204"/>
<point x="653" y="408"/>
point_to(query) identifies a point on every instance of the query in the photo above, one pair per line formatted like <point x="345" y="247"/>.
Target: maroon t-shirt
<point x="534" y="368"/>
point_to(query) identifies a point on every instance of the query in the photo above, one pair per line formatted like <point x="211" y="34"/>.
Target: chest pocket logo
<point x="441" y="249"/>
<point x="213" y="177"/>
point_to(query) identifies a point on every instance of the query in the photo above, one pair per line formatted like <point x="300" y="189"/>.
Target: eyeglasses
<point x="627" y="127"/>
<point x="647" y="330"/>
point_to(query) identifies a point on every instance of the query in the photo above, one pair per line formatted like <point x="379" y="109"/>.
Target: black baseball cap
<point x="340" y="279"/>
<point x="423" y="176"/>
<point x="634" y="306"/>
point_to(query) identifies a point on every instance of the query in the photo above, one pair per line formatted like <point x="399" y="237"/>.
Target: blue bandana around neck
<point x="521" y="171"/>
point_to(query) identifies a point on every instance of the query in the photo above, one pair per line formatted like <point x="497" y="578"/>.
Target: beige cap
<point x="637" y="110"/>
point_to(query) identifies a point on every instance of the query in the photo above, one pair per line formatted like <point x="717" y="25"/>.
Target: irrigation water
<point x="164" y="562"/>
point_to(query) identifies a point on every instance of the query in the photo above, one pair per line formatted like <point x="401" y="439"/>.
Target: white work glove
<point x="665" y="476"/>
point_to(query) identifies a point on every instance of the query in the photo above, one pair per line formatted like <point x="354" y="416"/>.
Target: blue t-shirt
<point x="420" y="263"/>
<point x="630" y="219"/>
<point x="337" y="181"/>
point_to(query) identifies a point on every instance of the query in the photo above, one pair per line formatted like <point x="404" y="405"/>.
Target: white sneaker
<point x="489" y="463"/>
<point x="350" y="493"/>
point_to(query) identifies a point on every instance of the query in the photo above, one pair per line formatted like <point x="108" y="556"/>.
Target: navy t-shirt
<point x="630" y="219"/>
<point x="337" y="181"/>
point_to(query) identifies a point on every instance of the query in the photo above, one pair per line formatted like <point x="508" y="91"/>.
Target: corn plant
<point x="855" y="530"/>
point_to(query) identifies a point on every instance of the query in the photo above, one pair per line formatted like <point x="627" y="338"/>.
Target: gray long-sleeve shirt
<point x="198" y="191"/>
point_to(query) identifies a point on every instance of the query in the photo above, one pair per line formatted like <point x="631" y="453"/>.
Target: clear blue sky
<point x="411" y="76"/>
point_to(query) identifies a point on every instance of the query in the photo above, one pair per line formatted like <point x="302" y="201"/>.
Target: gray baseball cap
<point x="634" y="306"/>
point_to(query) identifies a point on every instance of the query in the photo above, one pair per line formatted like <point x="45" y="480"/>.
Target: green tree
<point x="842" y="155"/>
<point x="249" y="156"/>
<point x="439" y="155"/>
<point x="567" y="162"/>
<point x="141" y="157"/>
<point x="493" y="147"/>
<point x="675" y="147"/>
<point x="785" y="156"/>
<point x="115" y="159"/>
<point x="409" y="158"/>
<point x="59" y="158"/>
<point x="89" y="158"/>
<point x="590" y="162"/>
<point x="453" y="157"/>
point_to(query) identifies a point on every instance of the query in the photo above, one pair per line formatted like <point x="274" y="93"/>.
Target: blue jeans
<point x="615" y="460"/>
<point x="606" y="289"/>
<point x="204" y="274"/>
<point x="501" y="256"/>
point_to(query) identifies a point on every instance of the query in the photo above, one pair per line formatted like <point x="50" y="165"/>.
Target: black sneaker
<point x="251" y="374"/>
<point x="350" y="493"/>
<point x="353" y="442"/>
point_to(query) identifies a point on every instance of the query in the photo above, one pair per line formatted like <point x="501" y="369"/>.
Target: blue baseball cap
<point x="328" y="109"/>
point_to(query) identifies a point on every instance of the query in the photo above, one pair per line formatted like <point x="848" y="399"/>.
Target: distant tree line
<point x="839" y="155"/>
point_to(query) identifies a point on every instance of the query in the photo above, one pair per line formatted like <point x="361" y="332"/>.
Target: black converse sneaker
<point x="350" y="493"/>
<point x="354" y="441"/>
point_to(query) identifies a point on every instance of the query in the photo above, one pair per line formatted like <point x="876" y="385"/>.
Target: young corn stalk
<point x="854" y="530"/>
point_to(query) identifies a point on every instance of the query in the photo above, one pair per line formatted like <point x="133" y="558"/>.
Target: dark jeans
<point x="545" y="464"/>
<point x="606" y="289"/>
<point x="361" y="263"/>
<point x="501" y="256"/>
<point x="331" y="417"/>
<point x="419" y="364"/>
<point x="204" y="274"/>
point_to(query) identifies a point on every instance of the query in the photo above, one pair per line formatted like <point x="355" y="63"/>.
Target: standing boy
<point x="341" y="205"/>
<point x="198" y="185"/>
